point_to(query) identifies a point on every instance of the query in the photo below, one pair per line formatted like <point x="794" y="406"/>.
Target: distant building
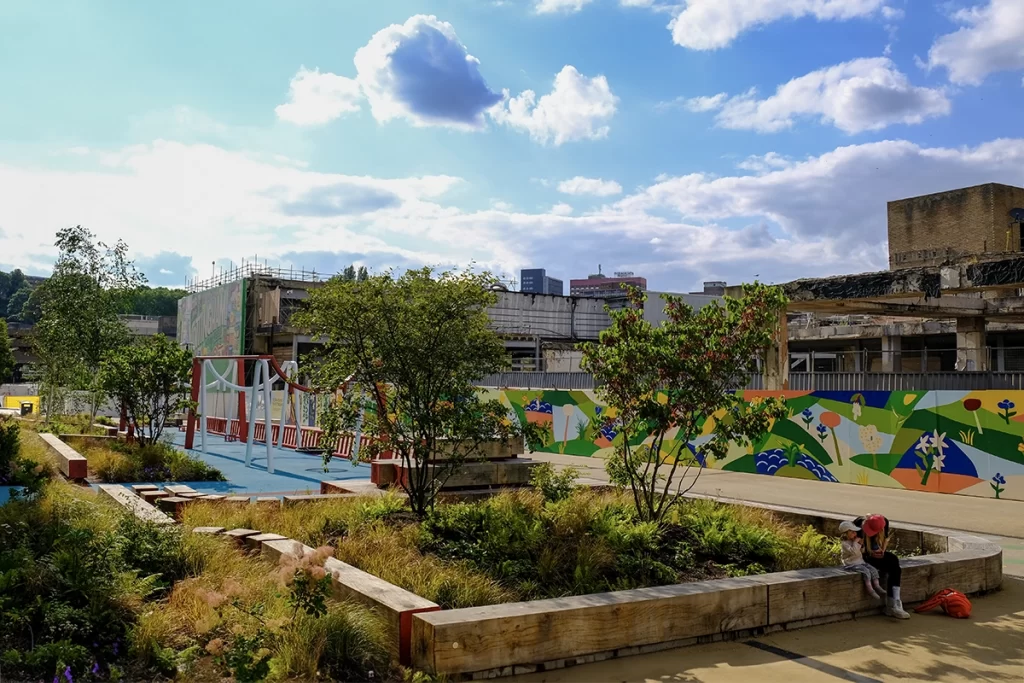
<point x="602" y="286"/>
<point x="973" y="221"/>
<point x="536" y="281"/>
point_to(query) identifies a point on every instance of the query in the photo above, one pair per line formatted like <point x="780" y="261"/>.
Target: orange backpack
<point x="954" y="603"/>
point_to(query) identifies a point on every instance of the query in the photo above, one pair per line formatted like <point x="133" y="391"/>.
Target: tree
<point x="6" y="354"/>
<point x="78" y="307"/>
<point x="150" y="380"/>
<point x="154" y="301"/>
<point x="676" y="377"/>
<point x="17" y="302"/>
<point x="415" y="346"/>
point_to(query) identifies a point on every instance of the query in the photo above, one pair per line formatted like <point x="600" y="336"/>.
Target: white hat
<point x="848" y="526"/>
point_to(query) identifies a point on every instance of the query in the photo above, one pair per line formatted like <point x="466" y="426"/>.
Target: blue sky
<point x="681" y="139"/>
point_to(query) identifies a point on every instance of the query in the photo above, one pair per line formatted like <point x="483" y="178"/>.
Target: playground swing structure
<point x="230" y="380"/>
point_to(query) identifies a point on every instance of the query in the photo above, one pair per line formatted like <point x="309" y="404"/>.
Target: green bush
<point x="554" y="486"/>
<point x="122" y="462"/>
<point x="16" y="470"/>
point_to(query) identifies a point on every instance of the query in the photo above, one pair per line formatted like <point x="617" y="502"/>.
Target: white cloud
<point x="706" y="103"/>
<point x="991" y="39"/>
<point x="771" y="161"/>
<point x="816" y="216"/>
<point x="713" y="24"/>
<point x="562" y="209"/>
<point x="420" y="71"/>
<point x="576" y="109"/>
<point x="501" y="205"/>
<point x="863" y="94"/>
<point x="316" y="98"/>
<point x="551" y="6"/>
<point x="593" y="186"/>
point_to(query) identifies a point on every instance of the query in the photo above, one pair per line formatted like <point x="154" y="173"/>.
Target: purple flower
<point x="67" y="675"/>
<point x="95" y="668"/>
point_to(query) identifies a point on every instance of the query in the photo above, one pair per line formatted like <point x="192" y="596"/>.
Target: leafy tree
<point x="17" y="281"/>
<point x="349" y="274"/>
<point x="150" y="379"/>
<point x="33" y="308"/>
<point x="678" y="376"/>
<point x="154" y="301"/>
<point x="78" y="307"/>
<point x="6" y="354"/>
<point x="17" y="302"/>
<point x="414" y="345"/>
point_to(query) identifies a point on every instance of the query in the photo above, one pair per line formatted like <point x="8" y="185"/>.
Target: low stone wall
<point x="70" y="462"/>
<point x="550" y="634"/>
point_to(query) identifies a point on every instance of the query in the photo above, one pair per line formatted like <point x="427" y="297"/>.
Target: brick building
<point x="945" y="226"/>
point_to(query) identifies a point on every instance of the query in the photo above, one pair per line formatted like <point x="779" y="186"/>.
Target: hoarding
<point x="212" y="322"/>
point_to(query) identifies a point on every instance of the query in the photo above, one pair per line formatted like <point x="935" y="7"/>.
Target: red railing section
<point x="304" y="438"/>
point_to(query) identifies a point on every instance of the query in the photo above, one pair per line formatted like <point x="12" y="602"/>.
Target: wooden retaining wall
<point x="542" y="635"/>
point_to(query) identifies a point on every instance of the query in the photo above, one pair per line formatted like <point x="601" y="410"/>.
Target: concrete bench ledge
<point x="138" y="507"/>
<point x="70" y="462"/>
<point x="523" y="637"/>
<point x="361" y="488"/>
<point x="504" y="472"/>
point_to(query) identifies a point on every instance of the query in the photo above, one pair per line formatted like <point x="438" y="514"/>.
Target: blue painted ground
<point x="294" y="473"/>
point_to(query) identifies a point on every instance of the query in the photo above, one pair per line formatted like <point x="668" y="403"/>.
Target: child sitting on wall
<point x="853" y="558"/>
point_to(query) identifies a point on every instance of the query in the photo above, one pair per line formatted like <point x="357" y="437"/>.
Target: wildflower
<point x="95" y="668"/>
<point x="939" y="442"/>
<point x="67" y="675"/>
<point x="1007" y="404"/>
<point x="999" y="479"/>
<point x="215" y="647"/>
<point x="938" y="463"/>
<point x="822" y="429"/>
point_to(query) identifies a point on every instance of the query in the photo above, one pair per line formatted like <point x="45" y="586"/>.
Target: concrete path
<point x="987" y="647"/>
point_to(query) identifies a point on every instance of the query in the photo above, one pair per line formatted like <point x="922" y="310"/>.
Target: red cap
<point x="873" y="525"/>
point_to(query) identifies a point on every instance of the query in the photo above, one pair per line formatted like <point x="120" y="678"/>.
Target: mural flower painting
<point x="872" y="442"/>
<point x="808" y="417"/>
<point x="822" y="432"/>
<point x="857" y="405"/>
<point x="1007" y="406"/>
<point x="832" y="420"/>
<point x="972" y="405"/>
<point x="998" y="482"/>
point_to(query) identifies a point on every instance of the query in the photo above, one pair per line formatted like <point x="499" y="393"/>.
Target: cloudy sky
<point x="684" y="140"/>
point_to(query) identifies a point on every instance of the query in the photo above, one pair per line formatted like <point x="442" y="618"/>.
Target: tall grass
<point x="121" y="463"/>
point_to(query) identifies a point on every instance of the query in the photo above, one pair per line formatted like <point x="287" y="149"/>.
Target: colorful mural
<point x="212" y="322"/>
<point x="969" y="443"/>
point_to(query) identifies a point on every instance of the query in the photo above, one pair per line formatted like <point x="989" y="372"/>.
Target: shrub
<point x="15" y="469"/>
<point x="554" y="486"/>
<point x="121" y="462"/>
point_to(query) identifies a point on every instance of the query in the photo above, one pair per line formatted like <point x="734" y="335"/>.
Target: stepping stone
<point x="238" y="500"/>
<point x="173" y="505"/>
<point x="212" y="496"/>
<point x="257" y="540"/>
<point x="192" y="495"/>
<point x="241" y="534"/>
<point x="178" y="489"/>
<point x="153" y="496"/>
<point x="268" y="501"/>
<point x="211" y="530"/>
<point x="139" y="488"/>
<point x="289" y="501"/>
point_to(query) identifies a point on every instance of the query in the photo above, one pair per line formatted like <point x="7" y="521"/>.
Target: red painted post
<point x="190" y="429"/>
<point x="243" y="428"/>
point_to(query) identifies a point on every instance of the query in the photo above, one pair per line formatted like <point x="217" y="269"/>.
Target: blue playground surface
<point x="294" y="473"/>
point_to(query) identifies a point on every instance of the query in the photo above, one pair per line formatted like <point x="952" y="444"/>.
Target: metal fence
<point x="798" y="381"/>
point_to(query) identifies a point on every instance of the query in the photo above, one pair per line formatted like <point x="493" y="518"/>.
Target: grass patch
<point x="118" y="462"/>
<point x="89" y="590"/>
<point x="64" y="424"/>
<point x="520" y="546"/>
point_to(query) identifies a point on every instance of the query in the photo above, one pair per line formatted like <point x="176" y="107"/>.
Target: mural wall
<point x="968" y="443"/>
<point x="212" y="323"/>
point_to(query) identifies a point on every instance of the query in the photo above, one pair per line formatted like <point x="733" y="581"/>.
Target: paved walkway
<point x="989" y="646"/>
<point x="294" y="473"/>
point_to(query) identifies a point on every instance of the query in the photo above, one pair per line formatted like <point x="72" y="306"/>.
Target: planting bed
<point x="413" y="590"/>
